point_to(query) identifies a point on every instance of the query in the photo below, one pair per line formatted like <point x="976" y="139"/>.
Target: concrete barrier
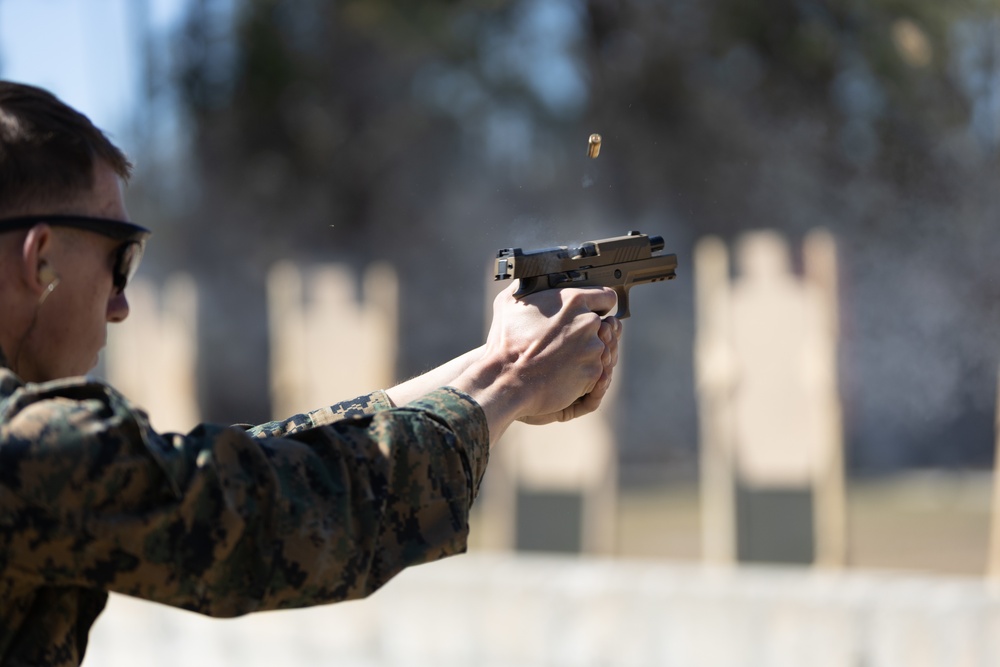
<point x="507" y="610"/>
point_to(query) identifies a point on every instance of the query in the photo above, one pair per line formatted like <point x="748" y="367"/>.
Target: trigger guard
<point x="622" y="311"/>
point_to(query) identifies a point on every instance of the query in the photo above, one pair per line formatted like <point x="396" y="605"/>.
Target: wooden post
<point x="820" y="264"/>
<point x="714" y="377"/>
<point x="993" y="565"/>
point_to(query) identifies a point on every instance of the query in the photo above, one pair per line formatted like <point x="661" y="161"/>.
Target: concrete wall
<point x="498" y="610"/>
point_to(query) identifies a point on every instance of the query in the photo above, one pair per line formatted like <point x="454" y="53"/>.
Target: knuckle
<point x="573" y="297"/>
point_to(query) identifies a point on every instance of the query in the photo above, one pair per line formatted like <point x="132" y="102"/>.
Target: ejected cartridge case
<point x="593" y="145"/>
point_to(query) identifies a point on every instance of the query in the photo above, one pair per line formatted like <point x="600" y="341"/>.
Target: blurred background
<point x="428" y="135"/>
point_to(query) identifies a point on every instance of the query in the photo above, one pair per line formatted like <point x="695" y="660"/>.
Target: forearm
<point x="493" y="384"/>
<point x="442" y="376"/>
<point x="498" y="390"/>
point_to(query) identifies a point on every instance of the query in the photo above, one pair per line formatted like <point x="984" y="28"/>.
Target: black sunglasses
<point x="129" y="254"/>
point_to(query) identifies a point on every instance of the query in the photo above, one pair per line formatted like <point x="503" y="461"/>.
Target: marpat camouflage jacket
<point x="225" y="520"/>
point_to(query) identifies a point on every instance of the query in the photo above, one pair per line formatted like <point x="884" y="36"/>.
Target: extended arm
<point x="220" y="521"/>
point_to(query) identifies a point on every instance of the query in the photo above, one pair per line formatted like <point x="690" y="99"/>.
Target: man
<point x="224" y="521"/>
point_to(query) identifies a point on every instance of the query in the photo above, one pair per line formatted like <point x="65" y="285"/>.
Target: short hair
<point x="48" y="151"/>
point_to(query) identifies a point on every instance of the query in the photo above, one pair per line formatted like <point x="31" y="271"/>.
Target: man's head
<point x="48" y="152"/>
<point x="65" y="241"/>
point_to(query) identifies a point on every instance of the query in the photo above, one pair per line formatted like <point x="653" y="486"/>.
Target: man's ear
<point x="37" y="270"/>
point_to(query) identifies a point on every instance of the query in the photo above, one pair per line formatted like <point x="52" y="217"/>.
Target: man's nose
<point x="118" y="307"/>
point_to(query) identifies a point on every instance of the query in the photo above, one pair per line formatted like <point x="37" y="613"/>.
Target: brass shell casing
<point x="594" y="146"/>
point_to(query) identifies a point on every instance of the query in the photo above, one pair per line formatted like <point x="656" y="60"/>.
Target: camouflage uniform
<point x="320" y="507"/>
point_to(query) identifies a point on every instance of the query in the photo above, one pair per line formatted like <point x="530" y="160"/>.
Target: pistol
<point x="618" y="262"/>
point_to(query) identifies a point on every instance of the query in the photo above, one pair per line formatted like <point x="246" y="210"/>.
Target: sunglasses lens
<point x="129" y="258"/>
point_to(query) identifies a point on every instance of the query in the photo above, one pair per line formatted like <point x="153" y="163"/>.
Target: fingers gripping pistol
<point x="619" y="263"/>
